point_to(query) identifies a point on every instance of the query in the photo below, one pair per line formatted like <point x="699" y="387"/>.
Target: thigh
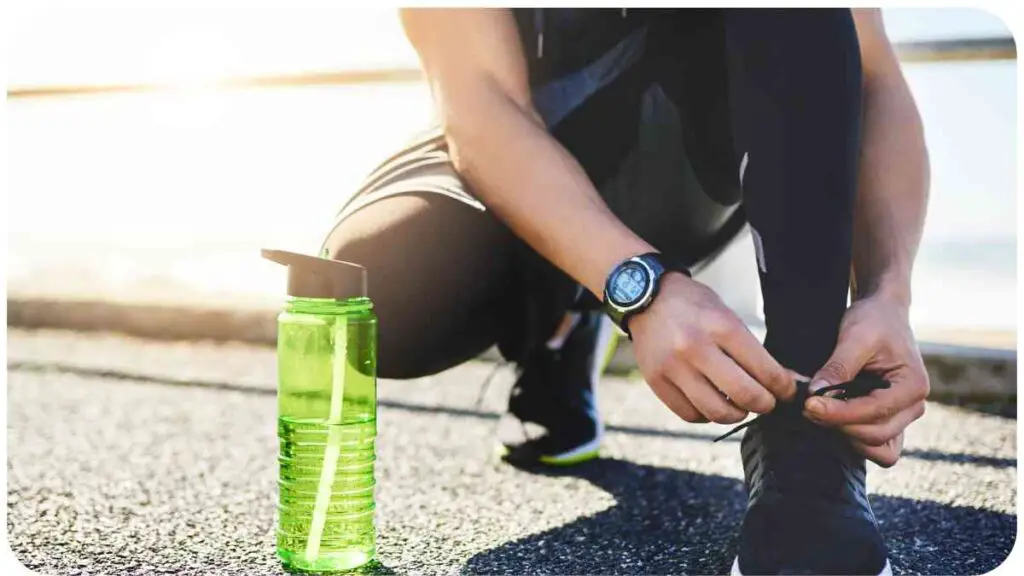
<point x="438" y="264"/>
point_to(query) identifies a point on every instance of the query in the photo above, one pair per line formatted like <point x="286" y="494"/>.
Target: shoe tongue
<point x="805" y="457"/>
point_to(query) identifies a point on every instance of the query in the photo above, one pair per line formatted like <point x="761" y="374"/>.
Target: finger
<point x="853" y="350"/>
<point x="740" y="388"/>
<point x="745" y="349"/>
<point x="675" y="400"/>
<point x="879" y="434"/>
<point x="885" y="456"/>
<point x="877" y="407"/>
<point x="705" y="397"/>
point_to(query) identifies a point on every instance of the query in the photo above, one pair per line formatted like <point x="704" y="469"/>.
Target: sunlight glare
<point x="192" y="59"/>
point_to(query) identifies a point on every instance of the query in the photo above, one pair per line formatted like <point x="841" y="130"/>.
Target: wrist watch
<point x="633" y="284"/>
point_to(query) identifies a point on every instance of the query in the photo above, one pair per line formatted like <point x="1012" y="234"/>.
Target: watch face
<point x="629" y="284"/>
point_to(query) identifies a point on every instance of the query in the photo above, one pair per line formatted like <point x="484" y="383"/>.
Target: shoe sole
<point x="735" y="571"/>
<point x="583" y="453"/>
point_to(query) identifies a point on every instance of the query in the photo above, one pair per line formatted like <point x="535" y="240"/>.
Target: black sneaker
<point x="808" y="510"/>
<point x="556" y="391"/>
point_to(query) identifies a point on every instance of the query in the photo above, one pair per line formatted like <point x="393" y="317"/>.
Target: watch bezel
<point x="648" y="290"/>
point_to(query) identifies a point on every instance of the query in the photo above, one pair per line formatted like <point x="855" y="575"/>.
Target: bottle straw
<point x="333" y="449"/>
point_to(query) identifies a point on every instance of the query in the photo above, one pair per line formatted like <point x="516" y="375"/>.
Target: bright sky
<point x="90" y="45"/>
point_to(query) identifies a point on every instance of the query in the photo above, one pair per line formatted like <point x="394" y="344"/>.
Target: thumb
<point x="852" y="352"/>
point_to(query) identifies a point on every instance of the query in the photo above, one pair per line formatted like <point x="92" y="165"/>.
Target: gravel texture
<point x="135" y="457"/>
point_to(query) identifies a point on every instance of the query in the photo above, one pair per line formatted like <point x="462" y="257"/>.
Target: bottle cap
<point x="313" y="277"/>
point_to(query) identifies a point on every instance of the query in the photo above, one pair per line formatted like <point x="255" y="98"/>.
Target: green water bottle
<point x="326" y="415"/>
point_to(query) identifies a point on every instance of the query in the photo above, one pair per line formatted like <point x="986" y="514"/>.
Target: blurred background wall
<point x="137" y="173"/>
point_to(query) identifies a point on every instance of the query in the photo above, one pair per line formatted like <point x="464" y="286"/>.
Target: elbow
<point x="464" y="149"/>
<point x="477" y="130"/>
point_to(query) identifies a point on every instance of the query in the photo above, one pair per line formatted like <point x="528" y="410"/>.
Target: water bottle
<point x="327" y="415"/>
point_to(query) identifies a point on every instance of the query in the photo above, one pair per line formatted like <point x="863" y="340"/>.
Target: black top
<point x="558" y="41"/>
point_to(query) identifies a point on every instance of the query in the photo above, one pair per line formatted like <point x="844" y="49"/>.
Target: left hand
<point x="875" y="335"/>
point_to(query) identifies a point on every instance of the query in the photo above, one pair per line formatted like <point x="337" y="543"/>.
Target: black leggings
<point x="730" y="117"/>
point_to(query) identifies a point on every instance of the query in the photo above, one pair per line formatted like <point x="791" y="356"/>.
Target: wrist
<point x="892" y="287"/>
<point x="611" y="258"/>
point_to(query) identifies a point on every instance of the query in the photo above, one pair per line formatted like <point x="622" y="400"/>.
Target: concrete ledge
<point x="160" y="322"/>
<point x="958" y="373"/>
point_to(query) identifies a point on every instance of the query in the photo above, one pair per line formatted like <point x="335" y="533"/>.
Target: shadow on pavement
<point x="668" y="521"/>
<point x="930" y="455"/>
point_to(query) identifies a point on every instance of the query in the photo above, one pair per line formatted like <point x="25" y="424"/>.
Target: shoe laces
<point x="862" y="385"/>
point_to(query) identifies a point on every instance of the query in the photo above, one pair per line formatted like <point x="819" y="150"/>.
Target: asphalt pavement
<point x="134" y="457"/>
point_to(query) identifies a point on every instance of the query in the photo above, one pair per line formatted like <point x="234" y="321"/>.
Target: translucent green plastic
<point x="327" y="425"/>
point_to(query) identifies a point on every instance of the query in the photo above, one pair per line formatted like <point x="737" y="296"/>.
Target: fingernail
<point x="816" y="406"/>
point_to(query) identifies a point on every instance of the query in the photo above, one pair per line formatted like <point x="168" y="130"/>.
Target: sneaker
<point x="808" y="510"/>
<point x="556" y="391"/>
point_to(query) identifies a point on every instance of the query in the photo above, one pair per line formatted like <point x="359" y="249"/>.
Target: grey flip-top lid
<point x="313" y="277"/>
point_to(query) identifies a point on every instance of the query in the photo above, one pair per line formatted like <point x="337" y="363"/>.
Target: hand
<point x="875" y="335"/>
<point x="700" y="359"/>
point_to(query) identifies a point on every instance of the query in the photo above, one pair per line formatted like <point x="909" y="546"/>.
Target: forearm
<point x="480" y="83"/>
<point x="893" y="190"/>
<point x="538" y="189"/>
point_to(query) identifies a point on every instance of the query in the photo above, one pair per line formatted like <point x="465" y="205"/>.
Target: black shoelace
<point x="862" y="385"/>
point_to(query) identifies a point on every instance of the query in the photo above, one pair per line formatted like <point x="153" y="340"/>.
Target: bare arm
<point x="692" y="350"/>
<point x="894" y="173"/>
<point x="477" y="73"/>
<point x="875" y="334"/>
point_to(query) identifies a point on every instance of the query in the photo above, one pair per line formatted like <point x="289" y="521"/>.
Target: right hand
<point x="701" y="360"/>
